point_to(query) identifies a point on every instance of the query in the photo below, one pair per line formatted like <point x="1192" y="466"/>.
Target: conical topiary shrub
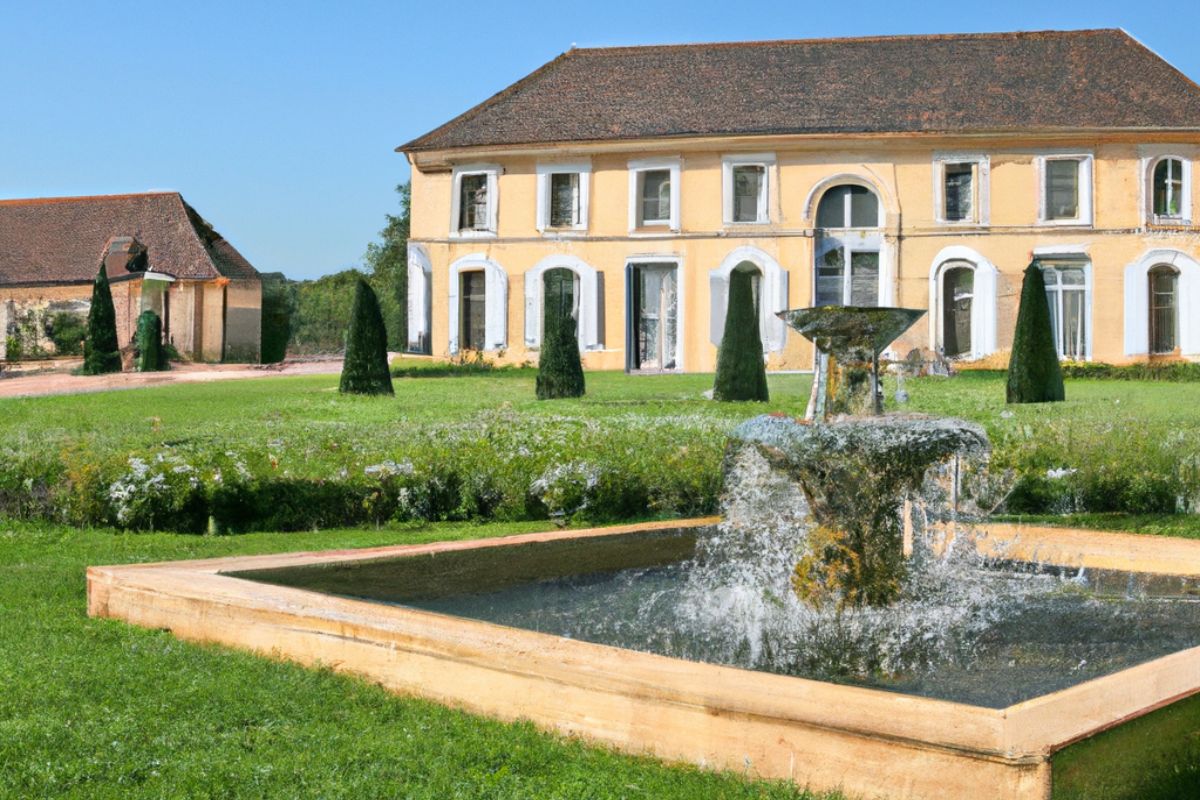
<point x="100" y="351"/>
<point x="151" y="355"/>
<point x="741" y="374"/>
<point x="1034" y="374"/>
<point x="560" y="372"/>
<point x="365" y="368"/>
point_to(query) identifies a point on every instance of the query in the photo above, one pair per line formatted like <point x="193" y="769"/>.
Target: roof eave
<point x="448" y="155"/>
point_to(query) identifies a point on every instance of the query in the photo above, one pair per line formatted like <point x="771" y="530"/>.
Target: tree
<point x="1034" y="374"/>
<point x="365" y="369"/>
<point x="560" y="372"/>
<point x="151" y="356"/>
<point x="278" y="306"/>
<point x="100" y="351"/>
<point x="387" y="263"/>
<point x="741" y="374"/>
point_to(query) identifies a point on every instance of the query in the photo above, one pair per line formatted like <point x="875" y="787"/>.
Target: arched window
<point x="770" y="294"/>
<point x="848" y="206"/>
<point x="1168" y="188"/>
<point x="1164" y="309"/>
<point x="575" y="279"/>
<point x="848" y="247"/>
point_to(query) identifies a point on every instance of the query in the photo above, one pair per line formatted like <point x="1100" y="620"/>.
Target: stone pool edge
<point x="864" y="741"/>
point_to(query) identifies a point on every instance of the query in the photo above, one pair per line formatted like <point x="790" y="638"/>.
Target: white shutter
<point x="718" y="293"/>
<point x="496" y="310"/>
<point x="533" y="313"/>
<point x="776" y="328"/>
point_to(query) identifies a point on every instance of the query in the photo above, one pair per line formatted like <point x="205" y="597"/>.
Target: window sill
<point x="961" y="223"/>
<point x="654" y="230"/>
<point x="1065" y="223"/>
<point x="564" y="233"/>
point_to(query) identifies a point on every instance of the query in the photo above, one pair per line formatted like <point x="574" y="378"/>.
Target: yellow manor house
<point x="918" y="171"/>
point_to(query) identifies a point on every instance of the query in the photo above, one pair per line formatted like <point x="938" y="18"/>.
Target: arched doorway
<point x="849" y="239"/>
<point x="1164" y="309"/>
<point x="957" y="295"/>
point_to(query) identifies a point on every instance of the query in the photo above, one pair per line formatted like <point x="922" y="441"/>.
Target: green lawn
<point x="96" y="709"/>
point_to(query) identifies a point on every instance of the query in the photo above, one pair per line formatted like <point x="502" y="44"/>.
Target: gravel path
<point x="62" y="382"/>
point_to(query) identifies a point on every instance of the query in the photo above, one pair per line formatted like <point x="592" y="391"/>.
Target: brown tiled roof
<point x="1049" y="80"/>
<point x="62" y="239"/>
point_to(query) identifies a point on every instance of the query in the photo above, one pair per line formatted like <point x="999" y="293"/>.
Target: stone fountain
<point x="855" y="467"/>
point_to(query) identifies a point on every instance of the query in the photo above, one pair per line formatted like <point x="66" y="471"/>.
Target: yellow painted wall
<point x="902" y="170"/>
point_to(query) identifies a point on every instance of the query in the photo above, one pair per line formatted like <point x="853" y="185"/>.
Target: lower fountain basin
<point x="864" y="740"/>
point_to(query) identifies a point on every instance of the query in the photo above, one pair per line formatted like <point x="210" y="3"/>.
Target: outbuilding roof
<point x="952" y="83"/>
<point x="63" y="239"/>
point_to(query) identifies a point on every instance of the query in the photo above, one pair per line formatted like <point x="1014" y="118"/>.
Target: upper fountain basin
<point x="851" y="333"/>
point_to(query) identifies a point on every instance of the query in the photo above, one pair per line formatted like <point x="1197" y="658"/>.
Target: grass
<point x="99" y="709"/>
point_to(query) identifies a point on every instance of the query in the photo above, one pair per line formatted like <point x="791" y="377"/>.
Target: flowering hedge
<point x="496" y="465"/>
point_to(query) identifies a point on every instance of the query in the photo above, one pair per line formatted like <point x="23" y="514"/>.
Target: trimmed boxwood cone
<point x="151" y="356"/>
<point x="100" y="351"/>
<point x="741" y="374"/>
<point x="1034" y="373"/>
<point x="365" y="369"/>
<point x="560" y="372"/>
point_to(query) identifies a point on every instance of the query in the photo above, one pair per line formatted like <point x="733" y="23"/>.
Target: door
<point x="472" y="313"/>
<point x="654" y="317"/>
<point x="958" y="293"/>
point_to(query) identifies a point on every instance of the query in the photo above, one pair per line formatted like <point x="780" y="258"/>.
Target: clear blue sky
<point x="278" y="121"/>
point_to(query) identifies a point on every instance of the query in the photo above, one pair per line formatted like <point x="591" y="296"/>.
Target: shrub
<point x="741" y="374"/>
<point x="560" y="372"/>
<point x="67" y="331"/>
<point x="100" y="351"/>
<point x="1034" y="374"/>
<point x="1171" y="371"/>
<point x="365" y="369"/>
<point x="151" y="356"/>
<point x="278" y="305"/>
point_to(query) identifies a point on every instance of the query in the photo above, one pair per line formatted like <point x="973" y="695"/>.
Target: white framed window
<point x="960" y="188"/>
<point x="478" y="304"/>
<point x="746" y="188"/>
<point x="849" y="244"/>
<point x="1065" y="189"/>
<point x="1169" y="190"/>
<point x="475" y="200"/>
<point x="654" y="314"/>
<point x="1069" y="294"/>
<point x="563" y="191"/>
<point x="654" y="194"/>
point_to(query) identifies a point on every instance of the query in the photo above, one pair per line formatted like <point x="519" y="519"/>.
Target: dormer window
<point x="1170" y="190"/>
<point x="474" y="202"/>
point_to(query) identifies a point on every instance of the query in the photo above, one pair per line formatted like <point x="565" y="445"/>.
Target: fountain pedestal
<point x="855" y="467"/>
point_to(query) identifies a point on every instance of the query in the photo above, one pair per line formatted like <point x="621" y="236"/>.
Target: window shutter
<point x="776" y="329"/>
<point x="718" y="293"/>
<point x="533" y="314"/>
<point x="496" y="309"/>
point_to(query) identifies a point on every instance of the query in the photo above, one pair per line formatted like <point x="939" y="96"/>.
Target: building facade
<point x="925" y="172"/>
<point x="158" y="254"/>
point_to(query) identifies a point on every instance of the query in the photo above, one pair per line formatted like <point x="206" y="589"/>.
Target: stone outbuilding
<point x="158" y="253"/>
